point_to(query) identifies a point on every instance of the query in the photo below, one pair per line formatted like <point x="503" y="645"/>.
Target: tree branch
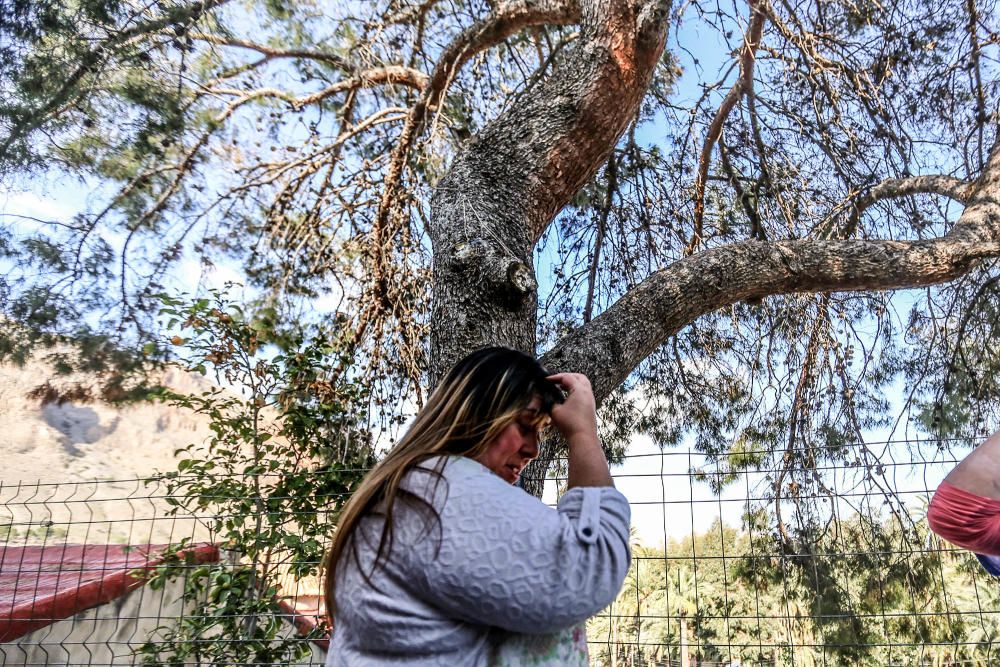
<point x="613" y="344"/>
<point x="602" y="223"/>
<point x="806" y="378"/>
<point x="946" y="186"/>
<point x="977" y="77"/>
<point x="743" y="84"/>
<point x="367" y="78"/>
<point x="756" y="227"/>
<point x="270" y="52"/>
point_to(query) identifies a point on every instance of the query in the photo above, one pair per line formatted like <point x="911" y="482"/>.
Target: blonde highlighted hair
<point x="478" y="398"/>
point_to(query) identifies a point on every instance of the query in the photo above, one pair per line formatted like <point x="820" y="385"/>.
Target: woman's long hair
<point x="478" y="398"/>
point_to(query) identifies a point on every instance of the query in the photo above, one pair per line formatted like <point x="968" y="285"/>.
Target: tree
<point x="407" y="164"/>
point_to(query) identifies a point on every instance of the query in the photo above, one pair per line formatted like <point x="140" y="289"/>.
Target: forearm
<point x="576" y="419"/>
<point x="587" y="464"/>
<point x="979" y="472"/>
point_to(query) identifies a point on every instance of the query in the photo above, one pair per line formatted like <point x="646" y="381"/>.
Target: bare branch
<point x="323" y="156"/>
<point x="765" y="171"/>
<point x="977" y="77"/>
<point x="748" y="57"/>
<point x="806" y="378"/>
<point x="756" y="228"/>
<point x="602" y="223"/>
<point x="364" y="79"/>
<point x="946" y="186"/>
<point x="368" y="79"/>
<point x="270" y="52"/>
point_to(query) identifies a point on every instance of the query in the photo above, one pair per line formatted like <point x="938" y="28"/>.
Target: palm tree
<point x="683" y="597"/>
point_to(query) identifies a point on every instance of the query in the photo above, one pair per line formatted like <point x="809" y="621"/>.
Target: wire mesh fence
<point x="733" y="565"/>
<point x="849" y="575"/>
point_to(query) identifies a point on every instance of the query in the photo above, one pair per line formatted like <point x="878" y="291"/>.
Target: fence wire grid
<point x="838" y="568"/>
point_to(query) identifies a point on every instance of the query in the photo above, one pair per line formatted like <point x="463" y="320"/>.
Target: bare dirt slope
<point x="77" y="472"/>
<point x="86" y="441"/>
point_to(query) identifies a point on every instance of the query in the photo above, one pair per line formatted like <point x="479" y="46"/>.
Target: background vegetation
<point x="868" y="595"/>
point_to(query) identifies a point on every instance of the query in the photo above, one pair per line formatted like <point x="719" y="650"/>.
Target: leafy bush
<point x="286" y="450"/>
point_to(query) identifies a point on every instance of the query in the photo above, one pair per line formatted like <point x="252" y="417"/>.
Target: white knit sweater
<point x="501" y="563"/>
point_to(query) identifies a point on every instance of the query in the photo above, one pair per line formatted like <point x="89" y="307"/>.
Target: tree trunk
<point x="509" y="182"/>
<point x="685" y="657"/>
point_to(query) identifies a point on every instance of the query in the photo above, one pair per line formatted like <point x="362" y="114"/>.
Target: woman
<point x="440" y="560"/>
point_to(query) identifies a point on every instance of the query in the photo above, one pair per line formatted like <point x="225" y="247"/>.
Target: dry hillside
<point x="76" y="471"/>
<point x="86" y="441"/>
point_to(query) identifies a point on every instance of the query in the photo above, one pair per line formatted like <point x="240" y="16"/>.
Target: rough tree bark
<point x="509" y="182"/>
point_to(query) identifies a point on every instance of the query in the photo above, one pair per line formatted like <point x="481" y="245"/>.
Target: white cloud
<point x="35" y="205"/>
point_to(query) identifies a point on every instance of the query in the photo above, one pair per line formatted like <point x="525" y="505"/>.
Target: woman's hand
<point x="576" y="419"/>
<point x="576" y="416"/>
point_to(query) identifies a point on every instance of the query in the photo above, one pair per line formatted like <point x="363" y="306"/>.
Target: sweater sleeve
<point x="965" y="519"/>
<point x="507" y="560"/>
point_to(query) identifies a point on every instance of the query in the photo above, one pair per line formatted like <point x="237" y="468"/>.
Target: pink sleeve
<point x="966" y="519"/>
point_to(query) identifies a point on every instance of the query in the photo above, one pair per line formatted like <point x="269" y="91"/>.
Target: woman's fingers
<point x="577" y="413"/>
<point x="571" y="382"/>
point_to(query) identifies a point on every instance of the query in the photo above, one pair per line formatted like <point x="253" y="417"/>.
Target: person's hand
<point x="576" y="417"/>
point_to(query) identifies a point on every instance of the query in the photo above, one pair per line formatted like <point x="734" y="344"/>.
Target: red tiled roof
<point x="41" y="585"/>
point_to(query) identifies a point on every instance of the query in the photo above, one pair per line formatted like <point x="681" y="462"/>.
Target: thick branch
<point x="609" y="347"/>
<point x="368" y="78"/>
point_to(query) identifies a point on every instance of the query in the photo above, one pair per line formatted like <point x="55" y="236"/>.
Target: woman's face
<point x="516" y="445"/>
